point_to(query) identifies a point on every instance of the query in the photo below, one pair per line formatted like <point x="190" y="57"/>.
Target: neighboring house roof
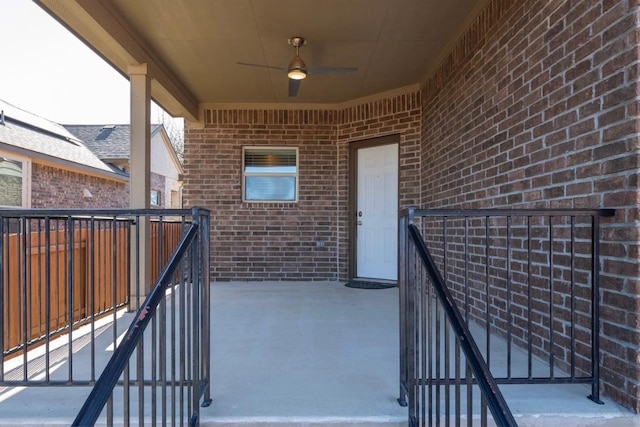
<point x="110" y="142"/>
<point x="39" y="138"/>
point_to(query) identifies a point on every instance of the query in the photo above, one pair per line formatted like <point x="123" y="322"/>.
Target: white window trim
<point x="26" y="179"/>
<point x="296" y="175"/>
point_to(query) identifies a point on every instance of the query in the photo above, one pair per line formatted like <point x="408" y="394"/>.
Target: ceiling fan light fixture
<point x="297" y="69"/>
<point x="296" y="74"/>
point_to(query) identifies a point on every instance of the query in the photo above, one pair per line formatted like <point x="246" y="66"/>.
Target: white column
<point x="139" y="181"/>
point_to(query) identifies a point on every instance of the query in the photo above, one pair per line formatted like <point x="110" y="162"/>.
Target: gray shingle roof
<point x="108" y="142"/>
<point x="30" y="133"/>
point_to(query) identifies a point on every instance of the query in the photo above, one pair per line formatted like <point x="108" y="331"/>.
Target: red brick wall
<point x="266" y="241"/>
<point x="277" y="241"/>
<point x="395" y="115"/>
<point x="537" y="107"/>
<point x="58" y="188"/>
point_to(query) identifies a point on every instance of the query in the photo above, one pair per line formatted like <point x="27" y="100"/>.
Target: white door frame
<point x="353" y="191"/>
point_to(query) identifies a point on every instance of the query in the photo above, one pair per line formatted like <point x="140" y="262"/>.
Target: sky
<point x="47" y="71"/>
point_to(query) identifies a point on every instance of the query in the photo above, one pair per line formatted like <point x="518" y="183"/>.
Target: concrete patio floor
<point x="314" y="353"/>
<point x="296" y="353"/>
<point x="307" y="353"/>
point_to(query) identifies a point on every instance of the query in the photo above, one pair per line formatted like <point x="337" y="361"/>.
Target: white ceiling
<point x="197" y="44"/>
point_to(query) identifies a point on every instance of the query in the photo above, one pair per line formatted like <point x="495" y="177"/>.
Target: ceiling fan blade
<point x="331" y="70"/>
<point x="261" y="66"/>
<point x="294" y="85"/>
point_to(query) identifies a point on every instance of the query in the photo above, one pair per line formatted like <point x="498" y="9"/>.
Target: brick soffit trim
<point x="215" y="117"/>
<point x="374" y="109"/>
<point x="469" y="43"/>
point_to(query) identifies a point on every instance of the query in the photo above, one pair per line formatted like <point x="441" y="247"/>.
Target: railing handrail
<point x="64" y="213"/>
<point x="413" y="212"/>
<point x="103" y="388"/>
<point x="495" y="400"/>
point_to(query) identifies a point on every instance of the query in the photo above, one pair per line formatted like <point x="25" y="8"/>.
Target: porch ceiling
<point x="193" y="46"/>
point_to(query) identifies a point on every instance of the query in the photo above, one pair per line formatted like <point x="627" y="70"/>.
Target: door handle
<point x="359" y="222"/>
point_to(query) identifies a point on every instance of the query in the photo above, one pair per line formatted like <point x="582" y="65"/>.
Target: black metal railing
<point x="71" y="280"/>
<point x="133" y="341"/>
<point x="526" y="285"/>
<point x="439" y="332"/>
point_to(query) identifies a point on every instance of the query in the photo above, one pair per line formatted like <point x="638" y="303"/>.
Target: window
<point x="14" y="182"/>
<point x="270" y="174"/>
<point x="155" y="198"/>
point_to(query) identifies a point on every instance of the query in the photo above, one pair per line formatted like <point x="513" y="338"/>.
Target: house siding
<point x="55" y="188"/>
<point x="537" y="106"/>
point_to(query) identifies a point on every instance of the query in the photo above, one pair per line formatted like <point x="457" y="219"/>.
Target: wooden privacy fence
<point x="58" y="272"/>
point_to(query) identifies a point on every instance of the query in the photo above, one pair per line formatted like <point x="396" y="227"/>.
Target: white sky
<point x="46" y="70"/>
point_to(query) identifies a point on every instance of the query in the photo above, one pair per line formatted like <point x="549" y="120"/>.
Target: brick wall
<point x="278" y="241"/>
<point x="394" y="115"/>
<point x="266" y="241"/>
<point x="56" y="188"/>
<point x="537" y="107"/>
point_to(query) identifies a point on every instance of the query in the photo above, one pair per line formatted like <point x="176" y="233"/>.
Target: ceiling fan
<point x="298" y="70"/>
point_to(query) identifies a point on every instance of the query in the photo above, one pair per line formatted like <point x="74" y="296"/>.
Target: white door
<point x="377" y="213"/>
